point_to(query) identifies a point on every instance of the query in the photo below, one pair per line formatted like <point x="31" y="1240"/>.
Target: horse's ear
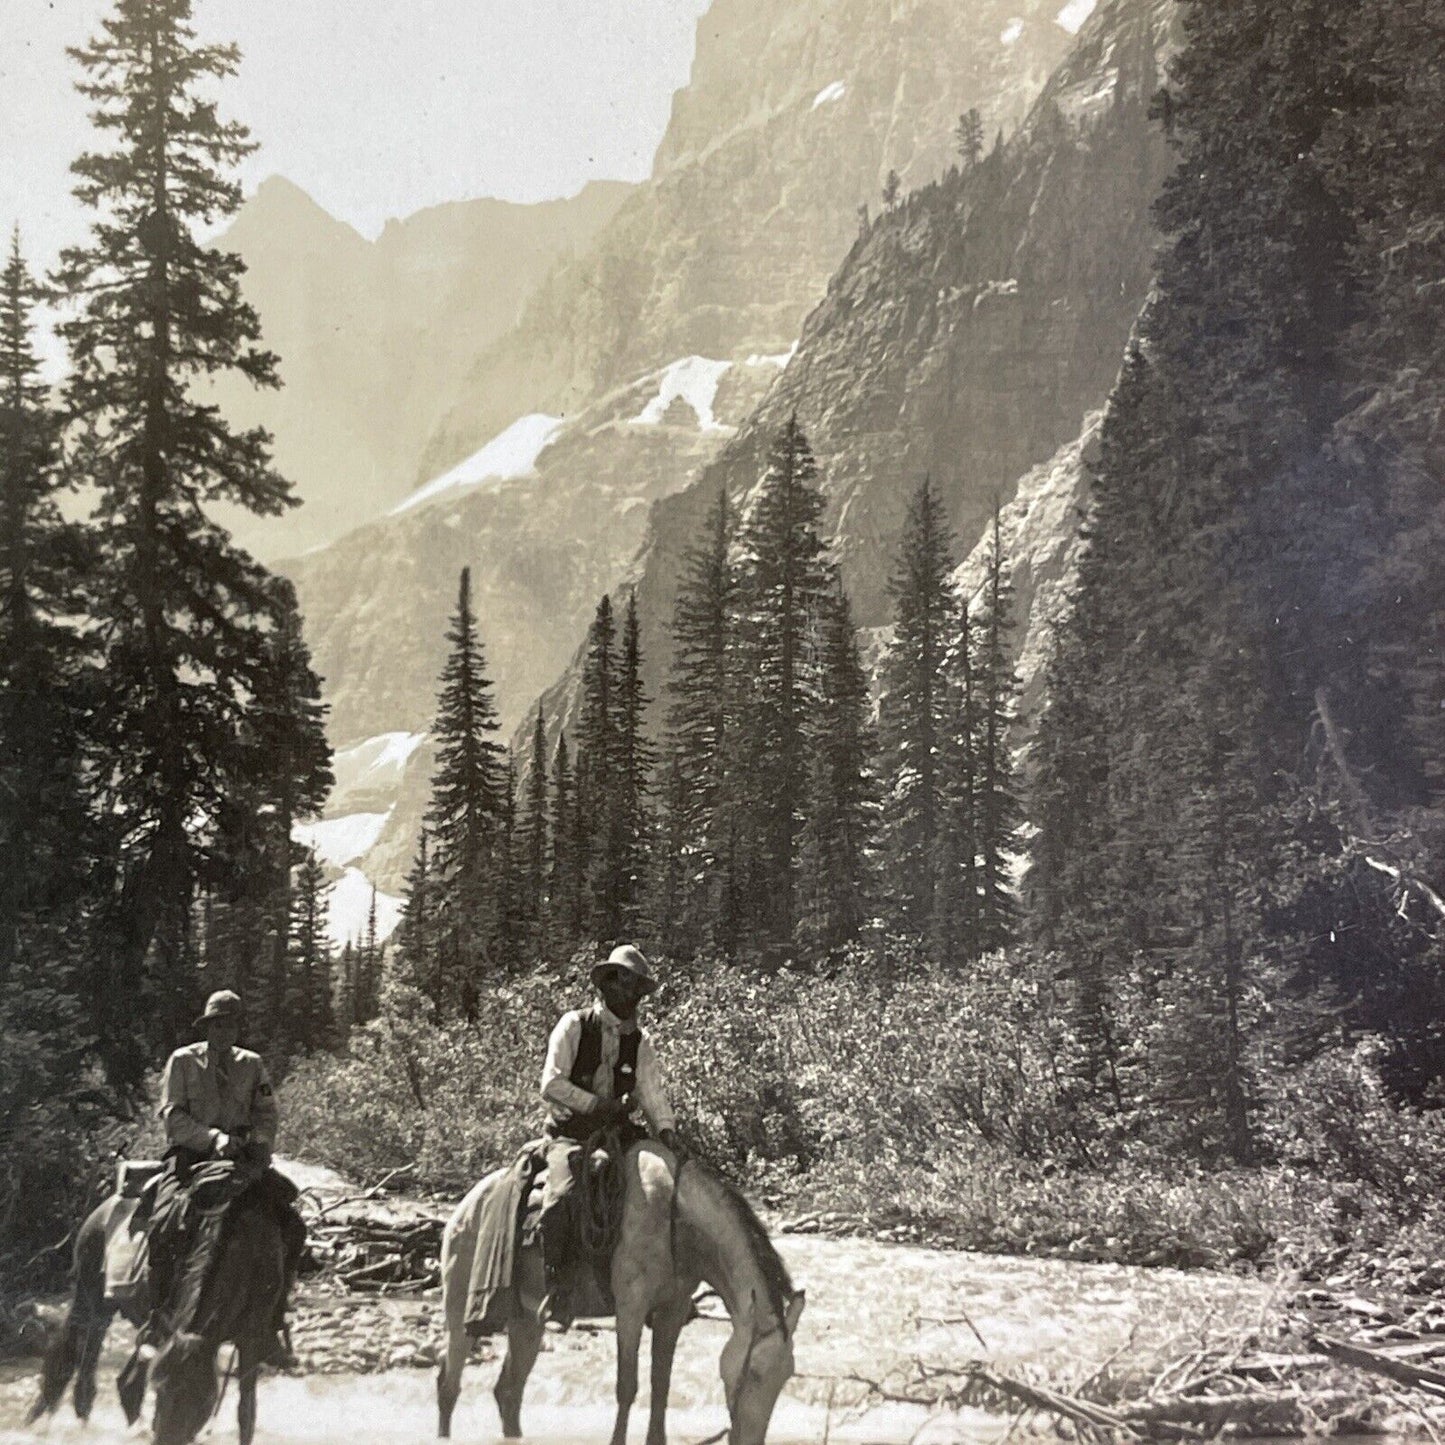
<point x="794" y="1310"/>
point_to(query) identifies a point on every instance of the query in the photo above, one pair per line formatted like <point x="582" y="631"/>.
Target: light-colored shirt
<point x="203" y="1097"/>
<point x="564" y="1098"/>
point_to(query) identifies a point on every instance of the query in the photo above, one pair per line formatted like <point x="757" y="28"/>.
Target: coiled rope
<point x="599" y="1195"/>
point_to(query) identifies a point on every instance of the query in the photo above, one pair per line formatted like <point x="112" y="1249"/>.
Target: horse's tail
<point x="87" y="1312"/>
<point x="56" y="1369"/>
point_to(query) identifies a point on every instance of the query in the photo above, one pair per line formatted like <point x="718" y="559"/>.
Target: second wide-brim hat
<point x="627" y="959"/>
<point x="223" y="1004"/>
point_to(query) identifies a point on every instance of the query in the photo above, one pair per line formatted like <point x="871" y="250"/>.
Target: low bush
<point x="889" y="1093"/>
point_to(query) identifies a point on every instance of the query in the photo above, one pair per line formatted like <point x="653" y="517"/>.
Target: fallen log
<point x="1040" y="1397"/>
<point x="1249" y="1412"/>
<point x="1189" y="1417"/>
<point x="1432" y="1382"/>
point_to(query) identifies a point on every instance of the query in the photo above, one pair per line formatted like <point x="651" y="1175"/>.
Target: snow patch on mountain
<point x="1012" y="32"/>
<point x="1073" y="15"/>
<point x="348" y="905"/>
<point x="339" y="841"/>
<point x="780" y="359"/>
<point x="830" y="93"/>
<point x="509" y="455"/>
<point x="695" y="379"/>
<point x="375" y="762"/>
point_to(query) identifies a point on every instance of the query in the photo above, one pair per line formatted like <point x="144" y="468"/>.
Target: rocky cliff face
<point x="650" y="349"/>
<point x="968" y="335"/>
<point x="792" y="118"/>
<point x="372" y="333"/>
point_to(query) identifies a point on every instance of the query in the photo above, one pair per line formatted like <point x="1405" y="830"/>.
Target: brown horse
<point x="236" y="1305"/>
<point x="681" y="1225"/>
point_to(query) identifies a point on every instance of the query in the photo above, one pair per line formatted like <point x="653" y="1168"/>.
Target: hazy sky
<point x="376" y="107"/>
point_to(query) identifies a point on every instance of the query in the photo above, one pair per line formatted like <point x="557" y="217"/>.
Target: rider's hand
<point x="222" y="1144"/>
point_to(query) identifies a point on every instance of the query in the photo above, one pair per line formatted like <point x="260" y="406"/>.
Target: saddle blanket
<point x="126" y="1255"/>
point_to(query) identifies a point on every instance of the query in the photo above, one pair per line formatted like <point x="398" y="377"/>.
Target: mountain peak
<point x="279" y="206"/>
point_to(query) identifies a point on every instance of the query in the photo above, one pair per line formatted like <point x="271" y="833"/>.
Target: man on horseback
<point x="600" y="1068"/>
<point x="217" y="1104"/>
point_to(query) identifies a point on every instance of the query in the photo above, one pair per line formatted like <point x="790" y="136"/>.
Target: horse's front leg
<point x="667" y="1322"/>
<point x="630" y="1317"/>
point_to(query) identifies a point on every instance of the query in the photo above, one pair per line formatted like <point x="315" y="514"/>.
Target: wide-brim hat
<point x="223" y="1004"/>
<point x="627" y="959"/>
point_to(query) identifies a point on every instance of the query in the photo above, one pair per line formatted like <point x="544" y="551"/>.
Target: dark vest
<point x="589" y="1056"/>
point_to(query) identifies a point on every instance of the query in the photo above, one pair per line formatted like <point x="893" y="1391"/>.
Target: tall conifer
<point x="997" y="811"/>
<point x="181" y="610"/>
<point x="835" y="864"/>
<point x="532" y="837"/>
<point x="635" y="764"/>
<point x="465" y="816"/>
<point x="789" y="580"/>
<point x="914" y="710"/>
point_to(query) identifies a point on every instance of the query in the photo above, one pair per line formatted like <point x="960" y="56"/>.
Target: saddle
<point x="509" y="1220"/>
<point x="185" y="1230"/>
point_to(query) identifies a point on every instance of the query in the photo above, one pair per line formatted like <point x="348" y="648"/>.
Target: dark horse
<point x="236" y="1304"/>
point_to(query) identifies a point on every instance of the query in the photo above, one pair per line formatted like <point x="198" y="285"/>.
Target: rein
<point x="600" y="1198"/>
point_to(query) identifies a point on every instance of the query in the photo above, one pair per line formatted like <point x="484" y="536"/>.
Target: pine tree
<point x="465" y="816"/>
<point x="509" y="870"/>
<point x="789" y="583"/>
<point x="309" y="1021"/>
<point x="968" y="136"/>
<point x="284" y="776"/>
<point x="563" y="880"/>
<point x="955" y="931"/>
<point x="635" y="764"/>
<point x="676" y="929"/>
<point x="368" y="967"/>
<point x="598" y="830"/>
<point x="344" y="987"/>
<point x="417" y="947"/>
<point x="53" y="861"/>
<point x="180" y="609"/>
<point x="914" y="710"/>
<point x="702" y="701"/>
<point x="997" y="811"/>
<point x="835" y="865"/>
<point x="532" y="839"/>
<point x="54" y="866"/>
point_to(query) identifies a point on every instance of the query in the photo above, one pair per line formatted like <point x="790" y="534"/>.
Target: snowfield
<point x="348" y="902"/>
<point x="1073" y="15"/>
<point x="339" y="841"/>
<point x="509" y="455"/>
<point x="830" y="93"/>
<point x="377" y="762"/>
<point x="1012" y="32"/>
<point x="695" y="379"/>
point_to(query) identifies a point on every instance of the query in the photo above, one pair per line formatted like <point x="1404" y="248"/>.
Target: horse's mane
<point x="769" y="1262"/>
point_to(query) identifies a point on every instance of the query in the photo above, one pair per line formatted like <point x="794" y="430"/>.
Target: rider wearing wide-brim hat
<point x="217" y="1104"/>
<point x="601" y="1069"/>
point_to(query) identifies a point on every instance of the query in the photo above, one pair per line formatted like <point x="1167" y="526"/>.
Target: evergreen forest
<point x="1176" y="935"/>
